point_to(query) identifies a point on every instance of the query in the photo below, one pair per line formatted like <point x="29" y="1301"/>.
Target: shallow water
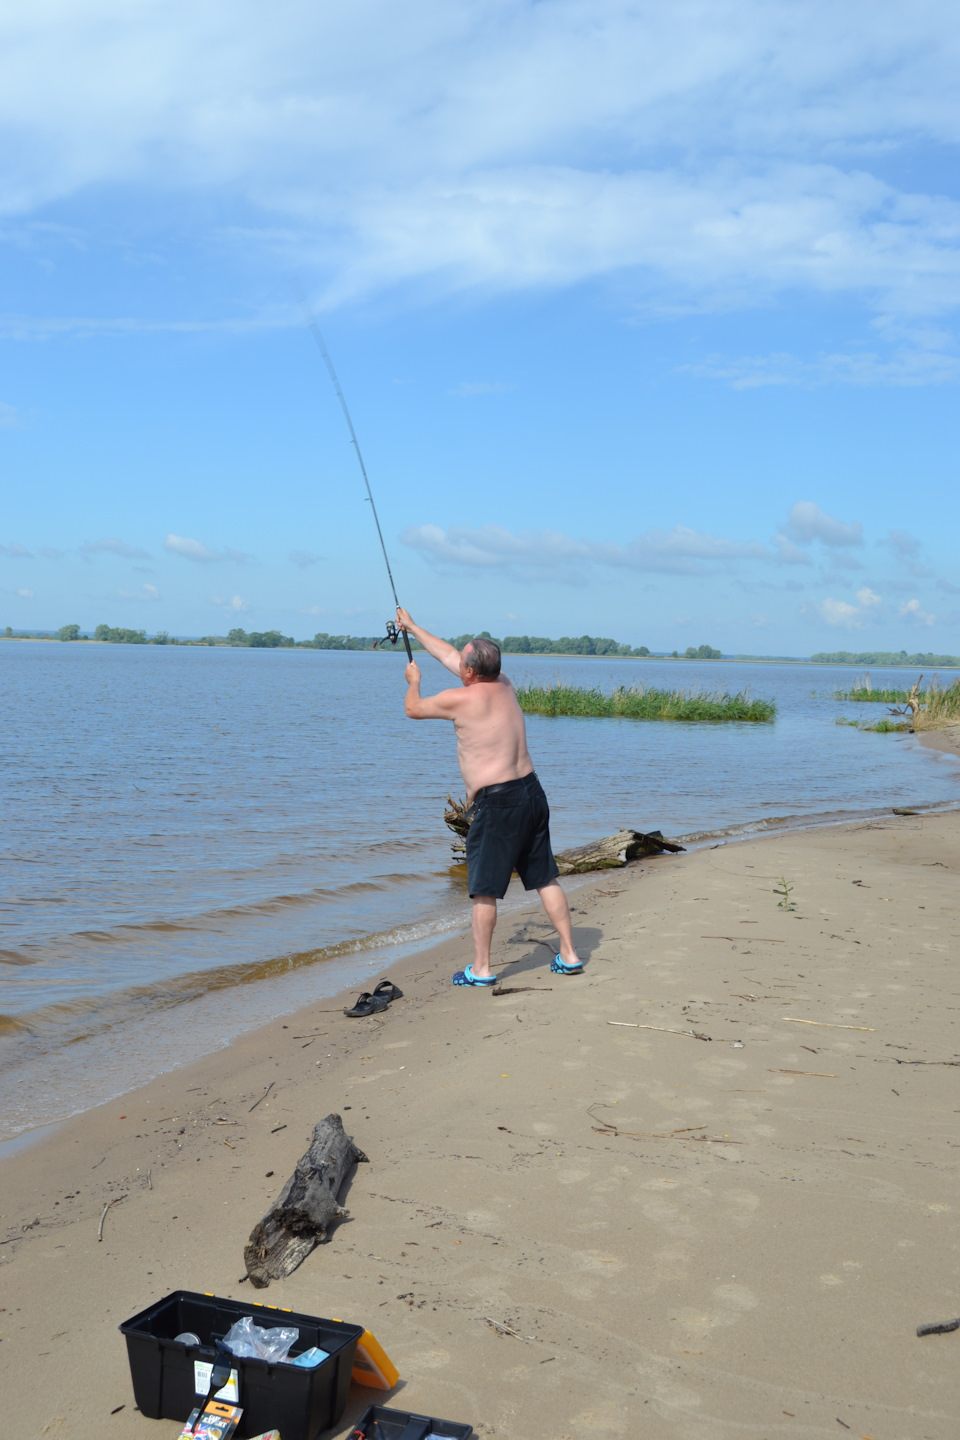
<point x="196" y="840"/>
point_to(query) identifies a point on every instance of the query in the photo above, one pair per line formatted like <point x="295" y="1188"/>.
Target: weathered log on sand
<point x="614" y="851"/>
<point x="307" y="1206"/>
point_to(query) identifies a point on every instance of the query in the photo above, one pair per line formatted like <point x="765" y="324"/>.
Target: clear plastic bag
<point x="253" y="1342"/>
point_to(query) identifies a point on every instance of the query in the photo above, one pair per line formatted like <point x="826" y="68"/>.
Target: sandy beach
<point x="581" y="1216"/>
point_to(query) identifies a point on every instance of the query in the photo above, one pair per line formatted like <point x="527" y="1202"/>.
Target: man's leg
<point x="558" y="912"/>
<point x="484" y="923"/>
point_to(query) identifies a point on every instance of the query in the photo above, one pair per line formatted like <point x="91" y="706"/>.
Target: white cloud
<point x="9" y="417"/>
<point x="907" y="366"/>
<point x="851" y="617"/>
<point x="13" y="551"/>
<point x="235" y="603"/>
<point x="790" y="554"/>
<point x="113" y="547"/>
<point x="304" y="558"/>
<point x="912" y="611"/>
<point x="146" y="592"/>
<point x="807" y="522"/>
<point x="198" y="551"/>
<point x="314" y="610"/>
<point x="718" y="150"/>
<point x="468" y="388"/>
<point x="26" y="594"/>
<point x="492" y="547"/>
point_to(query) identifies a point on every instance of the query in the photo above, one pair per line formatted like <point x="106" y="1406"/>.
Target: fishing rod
<point x="393" y="633"/>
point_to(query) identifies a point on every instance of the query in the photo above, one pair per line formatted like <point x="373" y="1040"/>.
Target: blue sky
<point x="647" y="317"/>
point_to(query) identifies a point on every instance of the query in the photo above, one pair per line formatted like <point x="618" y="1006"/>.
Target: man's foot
<point x="558" y="967"/>
<point x="467" y="977"/>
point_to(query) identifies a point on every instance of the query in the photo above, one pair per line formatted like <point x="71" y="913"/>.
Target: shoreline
<point x="700" y="1236"/>
<point x="353" y="971"/>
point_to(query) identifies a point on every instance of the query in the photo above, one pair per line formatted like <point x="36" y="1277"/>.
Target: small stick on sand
<point x="826" y="1025"/>
<point x="150" y="1179"/>
<point x="262" y="1097"/>
<point x="942" y="1328"/>
<point x="505" y="1329"/>
<point x="820" y="1074"/>
<point x="763" y="939"/>
<point x="633" y="1025"/>
<point x="103" y="1214"/>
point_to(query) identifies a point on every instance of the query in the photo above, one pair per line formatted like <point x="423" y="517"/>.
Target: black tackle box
<point x="381" y="1423"/>
<point x="274" y="1396"/>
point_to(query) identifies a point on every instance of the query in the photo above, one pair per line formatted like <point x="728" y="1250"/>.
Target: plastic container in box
<point x="297" y="1402"/>
<point x="381" y="1423"/>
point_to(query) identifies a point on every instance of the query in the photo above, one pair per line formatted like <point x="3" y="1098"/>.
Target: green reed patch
<point x="640" y="702"/>
<point x="864" y="693"/>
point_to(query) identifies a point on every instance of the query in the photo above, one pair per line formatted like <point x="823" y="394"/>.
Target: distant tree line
<point x="510" y="644"/>
<point x="566" y="645"/>
<point x="884" y="657"/>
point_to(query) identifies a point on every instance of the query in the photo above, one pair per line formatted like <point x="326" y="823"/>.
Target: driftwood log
<point x="606" y="854"/>
<point x="306" y="1208"/>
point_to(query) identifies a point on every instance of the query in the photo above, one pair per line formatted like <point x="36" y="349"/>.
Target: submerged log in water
<point x="306" y="1208"/>
<point x="607" y="854"/>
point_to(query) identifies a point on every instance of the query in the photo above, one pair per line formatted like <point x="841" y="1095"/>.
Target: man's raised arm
<point x="441" y="650"/>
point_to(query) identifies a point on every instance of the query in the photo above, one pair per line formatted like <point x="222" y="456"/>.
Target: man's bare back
<point x="487" y="719"/>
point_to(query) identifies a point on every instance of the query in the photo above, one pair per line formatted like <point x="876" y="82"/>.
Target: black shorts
<point x="510" y="831"/>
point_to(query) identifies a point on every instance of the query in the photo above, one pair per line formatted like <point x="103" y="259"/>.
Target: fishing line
<point x="393" y="634"/>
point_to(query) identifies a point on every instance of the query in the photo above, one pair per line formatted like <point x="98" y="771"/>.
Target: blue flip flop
<point x="558" y="968"/>
<point x="467" y="977"/>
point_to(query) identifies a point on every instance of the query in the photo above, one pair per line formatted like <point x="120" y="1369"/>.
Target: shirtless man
<point x="511" y="819"/>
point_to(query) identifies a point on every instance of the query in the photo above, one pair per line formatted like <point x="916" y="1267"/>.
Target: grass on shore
<point x="638" y="702"/>
<point x="940" y="706"/>
<point x="863" y="694"/>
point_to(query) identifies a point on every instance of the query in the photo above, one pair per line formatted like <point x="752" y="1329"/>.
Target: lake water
<point x="196" y="840"/>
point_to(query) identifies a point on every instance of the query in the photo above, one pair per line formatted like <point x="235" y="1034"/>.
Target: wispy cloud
<point x="303" y="559"/>
<point x="197" y="551"/>
<point x="914" y="612"/>
<point x="469" y="388"/>
<point x="807" y="522"/>
<point x="492" y="547"/>
<point x="146" y="592"/>
<point x="13" y="551"/>
<point x="10" y="417"/>
<point x="113" y="547"/>
<point x="233" y="603"/>
<point x="26" y="594"/>
<point x="842" y="614"/>
<point x="498" y="146"/>
<point x="901" y="367"/>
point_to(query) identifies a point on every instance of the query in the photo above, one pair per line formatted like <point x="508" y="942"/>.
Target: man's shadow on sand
<point x="540" y="951"/>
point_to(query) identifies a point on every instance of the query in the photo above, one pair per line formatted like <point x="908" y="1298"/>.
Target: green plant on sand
<point x="639" y="702"/>
<point x="783" y="890"/>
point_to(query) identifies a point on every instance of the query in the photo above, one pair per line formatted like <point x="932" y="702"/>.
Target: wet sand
<point x="568" y="1226"/>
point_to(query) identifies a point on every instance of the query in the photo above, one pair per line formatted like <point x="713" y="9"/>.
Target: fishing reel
<point x="394" y="633"/>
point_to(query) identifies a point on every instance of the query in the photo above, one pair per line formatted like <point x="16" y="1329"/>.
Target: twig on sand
<point x="610" y="1129"/>
<point x="103" y="1213"/>
<point x="262" y="1097"/>
<point x="506" y="1330"/>
<point x="150" y="1179"/>
<point x="633" y="1025"/>
<point x="942" y="1328"/>
<point x="517" y="989"/>
<point x="826" y="1025"/>
<point x="763" y="939"/>
<point x="821" y="1074"/>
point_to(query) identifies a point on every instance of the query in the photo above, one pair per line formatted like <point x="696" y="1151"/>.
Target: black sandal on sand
<point x="388" y="991"/>
<point x="368" y="1004"/>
